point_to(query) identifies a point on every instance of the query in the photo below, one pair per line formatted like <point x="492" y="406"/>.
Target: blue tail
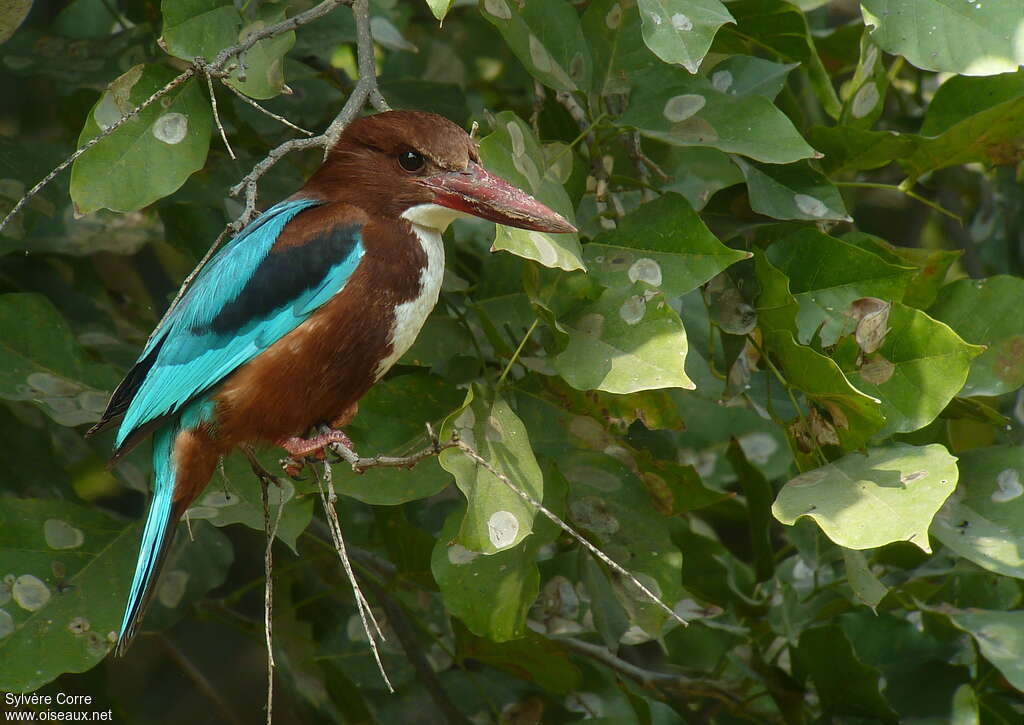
<point x="156" y="537"/>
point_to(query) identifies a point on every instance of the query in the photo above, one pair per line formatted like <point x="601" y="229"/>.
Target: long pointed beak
<point x="478" y="192"/>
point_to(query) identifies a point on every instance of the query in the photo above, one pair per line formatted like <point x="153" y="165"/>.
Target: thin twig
<point x="170" y="86"/>
<point x="328" y="499"/>
<point x="667" y="682"/>
<point x="215" y="69"/>
<point x="216" y="117"/>
<point x="268" y="591"/>
<point x="905" y="189"/>
<point x="360" y="464"/>
<point x="261" y="109"/>
<point x="199" y="679"/>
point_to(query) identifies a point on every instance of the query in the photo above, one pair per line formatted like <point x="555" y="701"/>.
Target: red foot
<point x="300" y="448"/>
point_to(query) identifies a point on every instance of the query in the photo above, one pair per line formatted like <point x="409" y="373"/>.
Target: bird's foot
<point x="315" y="447"/>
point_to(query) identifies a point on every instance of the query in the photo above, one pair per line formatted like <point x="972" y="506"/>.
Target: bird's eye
<point x="410" y="161"/>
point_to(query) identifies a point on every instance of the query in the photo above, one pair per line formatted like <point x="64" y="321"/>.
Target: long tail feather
<point x="156" y="537"/>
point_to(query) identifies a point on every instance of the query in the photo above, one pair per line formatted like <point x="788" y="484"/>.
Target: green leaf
<point x="853" y="149"/>
<point x="777" y="308"/>
<point x="440" y="8"/>
<point x="742" y="75"/>
<point x="533" y="658"/>
<point x="198" y="28"/>
<point x="792" y="191"/>
<point x="12" y="14"/>
<point x="612" y="30"/>
<point x="513" y="152"/>
<point x="961" y="97"/>
<point x="1000" y="636"/>
<point x="863" y="501"/>
<point x="610" y="506"/>
<point x="150" y="156"/>
<point x="982" y="520"/>
<point x="263" y="75"/>
<point x="628" y="340"/>
<point x="855" y="415"/>
<point x="64" y="584"/>
<point x="681" y="31"/>
<point x="932" y="265"/>
<point x="41" y="361"/>
<point x="671" y="106"/>
<point x="987" y="312"/>
<point x="496" y="517"/>
<point x="946" y="35"/>
<point x="237" y="498"/>
<point x="864" y="94"/>
<point x="703" y="172"/>
<point x="826" y="275"/>
<point x="781" y="27"/>
<point x="547" y="39"/>
<point x="988" y="133"/>
<point x="663" y="243"/>
<point x="376" y="430"/>
<point x="491" y="594"/>
<point x="866" y="586"/>
<point x="916" y="371"/>
<point x="844" y="684"/>
<point x="758" y="493"/>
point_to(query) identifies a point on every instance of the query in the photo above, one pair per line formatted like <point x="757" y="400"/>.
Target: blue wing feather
<point x="240" y="304"/>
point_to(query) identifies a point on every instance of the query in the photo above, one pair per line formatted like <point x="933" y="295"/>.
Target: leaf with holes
<point x="514" y="153"/>
<point x="826" y="275"/>
<point x="669" y="105"/>
<point x="663" y="243"/>
<point x="496" y="517"/>
<point x="863" y="501"/>
<point x="982" y="520"/>
<point x="628" y="340"/>
<point x="921" y="365"/>
<point x="855" y="416"/>
<point x="681" y="31"/>
<point x="65" y="580"/>
<point x="792" y="191"/>
<point x="547" y="39"/>
<point x="40" y="361"/>
<point x="150" y="156"/>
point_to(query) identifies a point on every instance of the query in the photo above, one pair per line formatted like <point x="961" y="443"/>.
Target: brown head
<point x="422" y="166"/>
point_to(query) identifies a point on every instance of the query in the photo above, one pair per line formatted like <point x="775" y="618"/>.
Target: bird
<point x="294" y="319"/>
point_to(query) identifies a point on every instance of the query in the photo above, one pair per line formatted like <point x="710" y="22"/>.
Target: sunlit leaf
<point x="681" y="31"/>
<point x="663" y="243"/>
<point x="863" y="501"/>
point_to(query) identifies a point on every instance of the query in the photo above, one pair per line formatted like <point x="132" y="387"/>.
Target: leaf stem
<point x="903" y="190"/>
<point x="515" y="355"/>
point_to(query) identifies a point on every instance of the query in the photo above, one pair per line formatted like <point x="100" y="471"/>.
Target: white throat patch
<point x="427" y="225"/>
<point x="433" y="216"/>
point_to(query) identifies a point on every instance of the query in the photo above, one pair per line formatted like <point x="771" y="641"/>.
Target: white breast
<point x="410" y="316"/>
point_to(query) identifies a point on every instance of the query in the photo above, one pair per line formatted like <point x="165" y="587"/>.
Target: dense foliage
<point x="776" y="375"/>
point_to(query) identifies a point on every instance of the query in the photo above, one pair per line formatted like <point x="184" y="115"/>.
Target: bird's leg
<point x="327" y="435"/>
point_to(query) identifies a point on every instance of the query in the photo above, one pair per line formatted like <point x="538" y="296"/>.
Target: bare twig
<point x="261" y="109"/>
<point x="360" y="464"/>
<point x="669" y="683"/>
<point x="216" y="116"/>
<point x="328" y="499"/>
<point x="268" y="591"/>
<point x="215" y="69"/>
<point x="199" y="680"/>
<point x="170" y="86"/>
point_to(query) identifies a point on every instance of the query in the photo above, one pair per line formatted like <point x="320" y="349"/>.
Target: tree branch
<point x="668" y="683"/>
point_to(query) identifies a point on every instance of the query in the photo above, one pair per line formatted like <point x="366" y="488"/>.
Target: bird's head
<point x="424" y="168"/>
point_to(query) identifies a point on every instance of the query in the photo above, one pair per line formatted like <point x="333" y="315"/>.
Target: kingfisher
<point x="298" y="315"/>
